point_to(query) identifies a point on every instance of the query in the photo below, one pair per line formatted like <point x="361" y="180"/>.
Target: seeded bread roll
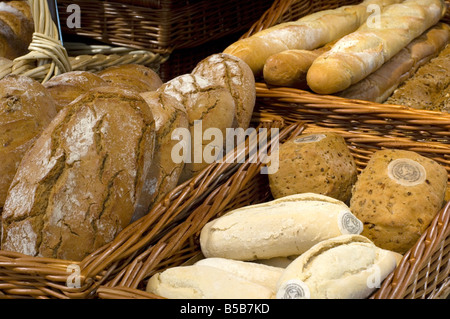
<point x="235" y="75"/>
<point x="66" y="87"/>
<point x="16" y="28"/>
<point x="280" y="228"/>
<point x="396" y="197"/>
<point x="164" y="172"/>
<point x="204" y="282"/>
<point x="316" y="162"/>
<point x="210" y="109"/>
<point x="77" y="186"/>
<point x="26" y="109"/>
<point x="132" y="76"/>
<point x="345" y="267"/>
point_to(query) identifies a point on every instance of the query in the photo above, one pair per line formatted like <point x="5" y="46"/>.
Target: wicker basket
<point x="47" y="56"/>
<point x="162" y="26"/>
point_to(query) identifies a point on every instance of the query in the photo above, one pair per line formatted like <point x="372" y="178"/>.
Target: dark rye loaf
<point x="78" y="185"/>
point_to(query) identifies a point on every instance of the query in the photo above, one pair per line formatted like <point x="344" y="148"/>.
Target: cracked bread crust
<point x="77" y="187"/>
<point x="235" y="75"/>
<point x="25" y="110"/>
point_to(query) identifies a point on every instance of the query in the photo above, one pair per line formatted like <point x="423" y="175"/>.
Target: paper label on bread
<point x="407" y="172"/>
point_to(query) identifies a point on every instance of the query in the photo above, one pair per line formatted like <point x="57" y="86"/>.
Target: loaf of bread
<point x="16" y="28"/>
<point x="306" y="33"/>
<point x="77" y="186"/>
<point x="280" y="228"/>
<point x="260" y="274"/>
<point x="379" y="86"/>
<point x="26" y="109"/>
<point x="358" y="54"/>
<point x="396" y="197"/>
<point x="289" y="68"/>
<point x="210" y="107"/>
<point x="318" y="163"/>
<point x="163" y="175"/>
<point x="429" y="87"/>
<point x="66" y="87"/>
<point x="235" y="75"/>
<point x="345" y="267"/>
<point x="204" y="282"/>
<point x="132" y="76"/>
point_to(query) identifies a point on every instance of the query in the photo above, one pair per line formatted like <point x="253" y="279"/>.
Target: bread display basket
<point x="48" y="57"/>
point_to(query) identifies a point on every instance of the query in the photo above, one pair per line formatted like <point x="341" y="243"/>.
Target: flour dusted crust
<point x="132" y="76"/>
<point x="66" y="87"/>
<point x="315" y="162"/>
<point x="235" y="75"/>
<point x="345" y="267"/>
<point x="280" y="228"/>
<point x="77" y="186"/>
<point x="164" y="173"/>
<point x="204" y="282"/>
<point x="25" y="110"/>
<point x="207" y="104"/>
<point x="396" y="197"/>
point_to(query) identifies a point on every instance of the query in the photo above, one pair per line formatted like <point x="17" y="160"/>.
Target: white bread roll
<point x="204" y="282"/>
<point x="279" y="228"/>
<point x="360" y="53"/>
<point x="306" y="33"/>
<point x="345" y="267"/>
<point x="258" y="273"/>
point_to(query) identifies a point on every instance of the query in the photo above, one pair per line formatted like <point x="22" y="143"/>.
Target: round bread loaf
<point x="210" y="109"/>
<point x="66" y="87"/>
<point x="396" y="197"/>
<point x="163" y="175"/>
<point x="26" y="109"/>
<point x="235" y="75"/>
<point x="77" y="186"/>
<point x="132" y="76"/>
<point x="345" y="267"/>
<point x="319" y="163"/>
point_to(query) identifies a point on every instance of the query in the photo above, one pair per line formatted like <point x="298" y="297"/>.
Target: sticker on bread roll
<point x="349" y="224"/>
<point x="293" y="289"/>
<point x="406" y="172"/>
<point x="310" y="138"/>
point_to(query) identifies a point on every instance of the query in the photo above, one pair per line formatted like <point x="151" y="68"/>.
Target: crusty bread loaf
<point x="66" y="87"/>
<point x="318" y="163"/>
<point x="358" y="54"/>
<point x="163" y="175"/>
<point x="26" y="109"/>
<point x="345" y="267"/>
<point x="77" y="186"/>
<point x="429" y="87"/>
<point x="204" y="282"/>
<point x="396" y="197"/>
<point x="379" y="86"/>
<point x="307" y="33"/>
<point x="289" y="68"/>
<point x="280" y="228"/>
<point x="260" y="274"/>
<point x="235" y="75"/>
<point x="208" y="106"/>
<point x="132" y="76"/>
<point x="16" y="28"/>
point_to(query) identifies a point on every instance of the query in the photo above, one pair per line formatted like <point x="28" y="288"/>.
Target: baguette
<point x="280" y="228"/>
<point x="306" y="33"/>
<point x="378" y="86"/>
<point x="360" y="53"/>
<point x="289" y="68"/>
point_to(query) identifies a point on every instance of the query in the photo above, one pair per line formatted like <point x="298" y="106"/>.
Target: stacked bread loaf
<point x="85" y="154"/>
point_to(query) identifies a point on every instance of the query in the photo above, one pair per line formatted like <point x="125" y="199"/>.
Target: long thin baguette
<point x="360" y="53"/>
<point x="306" y="33"/>
<point x="379" y="85"/>
<point x="289" y="68"/>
